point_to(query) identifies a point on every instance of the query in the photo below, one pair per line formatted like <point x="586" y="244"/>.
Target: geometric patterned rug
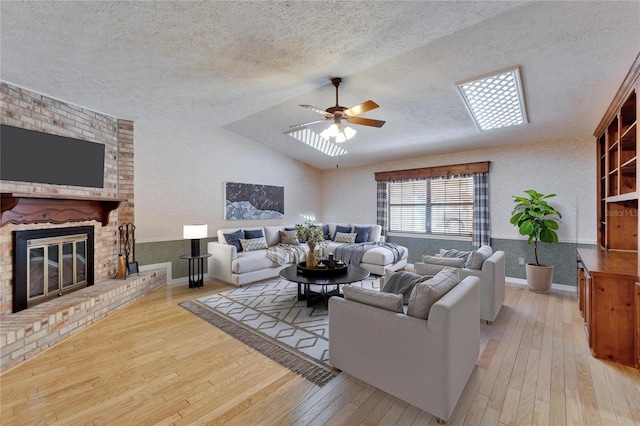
<point x="268" y="317"/>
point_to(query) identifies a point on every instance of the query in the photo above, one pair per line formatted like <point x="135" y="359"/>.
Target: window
<point x="436" y="206"/>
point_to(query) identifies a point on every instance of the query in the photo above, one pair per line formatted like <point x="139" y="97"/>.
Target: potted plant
<point x="536" y="218"/>
<point x="311" y="234"/>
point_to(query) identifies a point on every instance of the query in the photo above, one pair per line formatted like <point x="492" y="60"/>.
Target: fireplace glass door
<point x="56" y="264"/>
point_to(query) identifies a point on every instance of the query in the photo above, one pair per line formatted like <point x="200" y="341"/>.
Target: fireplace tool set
<point x="127" y="247"/>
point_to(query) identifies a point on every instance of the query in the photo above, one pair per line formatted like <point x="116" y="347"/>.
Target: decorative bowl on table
<point x="322" y="270"/>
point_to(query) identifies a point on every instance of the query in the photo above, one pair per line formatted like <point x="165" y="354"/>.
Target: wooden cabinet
<point x="608" y="277"/>
<point x="610" y="303"/>
<point x="617" y="152"/>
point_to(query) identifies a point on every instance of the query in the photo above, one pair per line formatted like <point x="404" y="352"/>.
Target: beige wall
<point x="565" y="167"/>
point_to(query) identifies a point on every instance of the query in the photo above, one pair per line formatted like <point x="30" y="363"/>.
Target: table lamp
<point x="194" y="233"/>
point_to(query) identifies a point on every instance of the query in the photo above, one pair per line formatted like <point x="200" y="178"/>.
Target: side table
<point x="196" y="269"/>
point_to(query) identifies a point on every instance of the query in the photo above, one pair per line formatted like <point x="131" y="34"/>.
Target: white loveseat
<point x="240" y="268"/>
<point x="426" y="363"/>
<point x="491" y="274"/>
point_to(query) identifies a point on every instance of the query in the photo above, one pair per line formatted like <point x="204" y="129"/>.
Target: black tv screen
<point x="30" y="156"/>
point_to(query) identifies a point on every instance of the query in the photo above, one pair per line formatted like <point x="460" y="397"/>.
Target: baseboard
<point x="169" y="269"/>
<point x="554" y="286"/>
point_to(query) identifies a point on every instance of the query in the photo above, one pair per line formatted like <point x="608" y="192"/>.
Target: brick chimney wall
<point x="24" y="108"/>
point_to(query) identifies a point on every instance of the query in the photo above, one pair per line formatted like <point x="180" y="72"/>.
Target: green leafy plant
<point x="311" y="233"/>
<point x="536" y="218"/>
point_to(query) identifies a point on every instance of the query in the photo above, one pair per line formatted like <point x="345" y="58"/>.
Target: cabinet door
<point x="580" y="287"/>
<point x="637" y="325"/>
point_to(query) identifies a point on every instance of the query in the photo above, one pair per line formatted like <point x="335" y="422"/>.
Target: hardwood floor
<point x="155" y="363"/>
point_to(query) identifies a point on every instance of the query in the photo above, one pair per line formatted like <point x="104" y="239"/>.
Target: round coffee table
<point x="353" y="274"/>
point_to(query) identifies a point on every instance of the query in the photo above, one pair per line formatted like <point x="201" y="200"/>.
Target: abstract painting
<point x="251" y="201"/>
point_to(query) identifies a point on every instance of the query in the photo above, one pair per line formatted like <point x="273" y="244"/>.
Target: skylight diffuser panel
<point x="495" y="101"/>
<point x="316" y="141"/>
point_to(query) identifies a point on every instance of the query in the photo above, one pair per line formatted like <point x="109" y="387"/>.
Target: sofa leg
<point x="489" y="322"/>
<point x="440" y="421"/>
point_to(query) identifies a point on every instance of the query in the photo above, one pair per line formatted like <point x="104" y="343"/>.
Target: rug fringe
<point x="315" y="373"/>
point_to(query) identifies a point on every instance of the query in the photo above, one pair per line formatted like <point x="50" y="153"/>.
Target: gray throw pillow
<point x="388" y="301"/>
<point x="455" y="253"/>
<point x="474" y="261"/>
<point x="453" y="262"/>
<point x="426" y="293"/>
<point x="289" y="237"/>
<point x="427" y="269"/>
<point x="485" y="251"/>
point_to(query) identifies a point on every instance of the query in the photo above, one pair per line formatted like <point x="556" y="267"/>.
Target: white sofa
<point x="492" y="282"/>
<point x="227" y="265"/>
<point x="426" y="363"/>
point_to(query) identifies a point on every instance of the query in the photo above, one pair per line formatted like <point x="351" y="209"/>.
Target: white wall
<point x="180" y="172"/>
<point x="566" y="167"/>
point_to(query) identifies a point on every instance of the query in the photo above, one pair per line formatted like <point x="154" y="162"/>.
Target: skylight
<point x="495" y="101"/>
<point x="316" y="141"/>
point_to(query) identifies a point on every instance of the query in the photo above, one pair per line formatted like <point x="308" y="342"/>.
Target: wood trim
<point x="628" y="84"/>
<point x="428" y="172"/>
<point x="27" y="208"/>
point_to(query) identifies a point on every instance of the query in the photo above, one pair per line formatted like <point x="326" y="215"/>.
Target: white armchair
<point x="426" y="363"/>
<point x="492" y="282"/>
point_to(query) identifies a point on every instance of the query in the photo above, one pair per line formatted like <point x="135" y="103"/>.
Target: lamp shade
<point x="191" y="232"/>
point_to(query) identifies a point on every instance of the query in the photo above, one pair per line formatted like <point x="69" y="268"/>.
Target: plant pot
<point x="539" y="278"/>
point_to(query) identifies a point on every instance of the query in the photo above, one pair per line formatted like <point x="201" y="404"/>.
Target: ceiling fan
<point x="338" y="113"/>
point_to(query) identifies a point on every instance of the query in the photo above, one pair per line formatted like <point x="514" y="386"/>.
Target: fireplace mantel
<point x="27" y="208"/>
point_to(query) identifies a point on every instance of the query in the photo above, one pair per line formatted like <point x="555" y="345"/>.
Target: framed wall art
<point x="246" y="201"/>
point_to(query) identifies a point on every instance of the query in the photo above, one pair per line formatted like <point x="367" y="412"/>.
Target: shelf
<point x="28" y="208"/>
<point x="623" y="197"/>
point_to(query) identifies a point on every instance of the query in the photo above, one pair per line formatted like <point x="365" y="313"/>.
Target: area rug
<point x="268" y="317"/>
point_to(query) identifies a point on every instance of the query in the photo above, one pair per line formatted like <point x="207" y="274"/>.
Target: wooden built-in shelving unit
<point x="609" y="276"/>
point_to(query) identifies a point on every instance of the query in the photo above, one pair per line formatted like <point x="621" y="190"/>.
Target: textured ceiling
<point x="246" y="66"/>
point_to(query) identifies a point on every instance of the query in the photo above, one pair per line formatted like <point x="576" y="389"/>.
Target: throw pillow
<point x="485" y="251"/>
<point x="453" y="262"/>
<point x="426" y="293"/>
<point x="474" y="261"/>
<point x="325" y="231"/>
<point x="253" y="233"/>
<point x="401" y="283"/>
<point x="340" y="228"/>
<point x="234" y="239"/>
<point x="427" y="269"/>
<point x="289" y="237"/>
<point x="388" y="301"/>
<point x="300" y="240"/>
<point x="253" y="244"/>
<point x="362" y="233"/>
<point x="344" y="238"/>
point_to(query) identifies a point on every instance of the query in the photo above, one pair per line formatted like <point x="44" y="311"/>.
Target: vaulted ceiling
<point x="246" y="66"/>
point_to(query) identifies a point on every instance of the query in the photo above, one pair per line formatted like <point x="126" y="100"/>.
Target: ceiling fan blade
<point x="359" y="109"/>
<point x="366" y="121"/>
<point x="308" y="123"/>
<point x="318" y="110"/>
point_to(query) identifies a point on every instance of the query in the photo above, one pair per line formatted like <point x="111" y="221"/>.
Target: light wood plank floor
<point x="155" y="363"/>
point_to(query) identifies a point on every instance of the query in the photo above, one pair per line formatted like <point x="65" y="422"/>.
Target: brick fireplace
<point x="46" y="208"/>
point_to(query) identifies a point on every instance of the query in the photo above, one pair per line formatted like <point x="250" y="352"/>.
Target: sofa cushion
<point x="251" y="261"/>
<point x="427" y="269"/>
<point x="253" y="244"/>
<point x="388" y="301"/>
<point x="342" y="229"/>
<point x="453" y="262"/>
<point x="426" y="293"/>
<point x="342" y="237"/>
<point x="253" y="233"/>
<point x="233" y="238"/>
<point x="289" y="237"/>
<point x="362" y="233"/>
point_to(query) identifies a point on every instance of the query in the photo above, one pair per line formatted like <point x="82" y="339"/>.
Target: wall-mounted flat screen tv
<point x="30" y="156"/>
